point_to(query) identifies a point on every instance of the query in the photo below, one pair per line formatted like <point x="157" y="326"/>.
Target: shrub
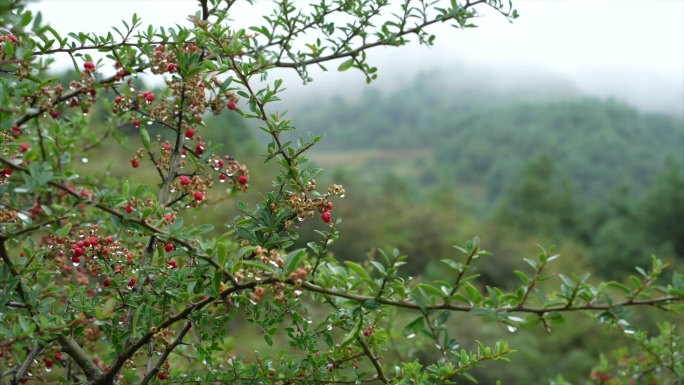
<point x="104" y="281"/>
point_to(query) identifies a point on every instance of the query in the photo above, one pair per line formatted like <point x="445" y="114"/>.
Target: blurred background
<point x="564" y="128"/>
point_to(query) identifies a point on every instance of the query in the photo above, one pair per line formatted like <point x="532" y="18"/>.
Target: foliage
<point x="600" y="145"/>
<point x="105" y="282"/>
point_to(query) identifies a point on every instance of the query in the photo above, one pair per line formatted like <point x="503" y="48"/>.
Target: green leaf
<point x="359" y="270"/>
<point x="346" y="65"/>
<point x="145" y="137"/>
<point x="294" y="258"/>
<point x="64" y="231"/>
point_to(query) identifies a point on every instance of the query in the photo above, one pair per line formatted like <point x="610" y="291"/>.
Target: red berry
<point x="168" y="217"/>
<point x="131" y="283"/>
<point x="190" y="133"/>
<point x="149" y="96"/>
<point x="11" y="38"/>
<point x="184" y="180"/>
<point x="107" y="282"/>
<point x="172" y="67"/>
<point x="232" y="105"/>
<point x="330" y="205"/>
<point x="184" y="151"/>
<point x="16" y="130"/>
<point x="172" y="264"/>
<point x="128" y="208"/>
<point x="58" y="356"/>
<point x="89" y="66"/>
<point x="48" y="362"/>
<point x="199" y="149"/>
<point x="169" y="247"/>
<point x="222" y="177"/>
<point x="368" y="331"/>
<point x="75" y="259"/>
<point x="135" y="163"/>
<point x="136" y="123"/>
<point x="7" y="172"/>
<point x="199" y="196"/>
<point x="117" y="99"/>
<point x="24" y="146"/>
<point x="243" y="179"/>
<point x="326" y="216"/>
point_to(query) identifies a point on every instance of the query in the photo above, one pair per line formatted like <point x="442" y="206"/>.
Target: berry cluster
<point x="307" y="207"/>
<point x="88" y="252"/>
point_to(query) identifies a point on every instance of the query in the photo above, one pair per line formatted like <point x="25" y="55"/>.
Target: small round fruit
<point x="89" y="66"/>
<point x="326" y="216"/>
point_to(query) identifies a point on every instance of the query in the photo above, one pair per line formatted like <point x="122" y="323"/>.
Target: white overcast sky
<point x="638" y="44"/>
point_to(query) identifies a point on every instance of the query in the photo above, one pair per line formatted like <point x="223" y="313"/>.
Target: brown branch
<point x="20" y="286"/>
<point x="104" y="46"/>
<point x="374" y="360"/>
<point x="462" y="272"/>
<point x="264" y="118"/>
<point x="35" y="227"/>
<point x="467" y="308"/>
<point x="357" y="50"/>
<point x="26" y="365"/>
<point x="179" y="339"/>
<point x="70" y="347"/>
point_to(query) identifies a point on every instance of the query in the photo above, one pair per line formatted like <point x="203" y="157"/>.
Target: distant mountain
<point x="601" y="145"/>
<point x="483" y="128"/>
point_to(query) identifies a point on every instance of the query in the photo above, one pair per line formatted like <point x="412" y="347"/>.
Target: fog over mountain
<point x="632" y="51"/>
<point x="647" y="91"/>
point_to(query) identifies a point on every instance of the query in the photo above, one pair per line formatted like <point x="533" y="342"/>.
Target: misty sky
<point x="631" y="49"/>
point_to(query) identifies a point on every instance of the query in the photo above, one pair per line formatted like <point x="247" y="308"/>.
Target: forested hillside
<point x="484" y="136"/>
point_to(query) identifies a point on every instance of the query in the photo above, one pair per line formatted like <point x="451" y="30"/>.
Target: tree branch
<point x="70" y="347"/>
<point x="179" y="339"/>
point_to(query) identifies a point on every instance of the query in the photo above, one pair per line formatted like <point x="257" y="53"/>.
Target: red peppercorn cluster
<point x="90" y="254"/>
<point x="257" y="293"/>
<point x="164" y="60"/>
<point x="163" y="338"/>
<point x="8" y="216"/>
<point x="307" y="207"/>
<point x="89" y="66"/>
<point x="299" y="275"/>
<point x="8" y="38"/>
<point x="5" y="174"/>
<point x="11" y="134"/>
<point x="169" y="247"/>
